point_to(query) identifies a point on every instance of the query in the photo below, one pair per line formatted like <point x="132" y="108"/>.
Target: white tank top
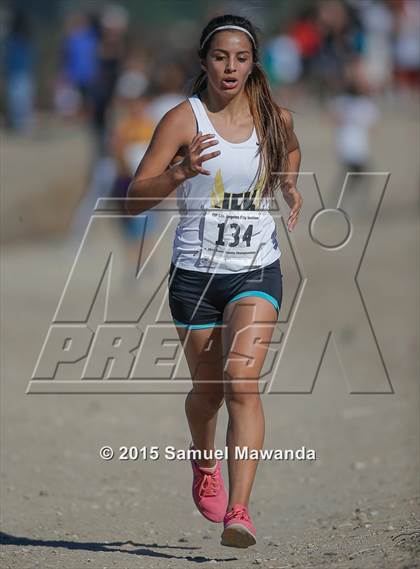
<point x="225" y="226"/>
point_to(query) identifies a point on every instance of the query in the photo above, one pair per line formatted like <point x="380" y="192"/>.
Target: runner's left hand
<point x="294" y="200"/>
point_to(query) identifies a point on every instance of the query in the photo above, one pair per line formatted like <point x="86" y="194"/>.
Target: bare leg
<point x="250" y="323"/>
<point x="203" y="351"/>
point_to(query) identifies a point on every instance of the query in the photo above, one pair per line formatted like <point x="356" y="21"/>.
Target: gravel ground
<point x="355" y="507"/>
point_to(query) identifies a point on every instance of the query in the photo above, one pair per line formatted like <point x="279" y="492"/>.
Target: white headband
<point x="228" y="28"/>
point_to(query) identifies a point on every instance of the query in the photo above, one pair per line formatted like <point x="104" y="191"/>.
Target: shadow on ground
<point x="114" y="546"/>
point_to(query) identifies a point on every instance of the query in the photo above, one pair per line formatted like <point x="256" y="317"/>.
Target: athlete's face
<point x="229" y="61"/>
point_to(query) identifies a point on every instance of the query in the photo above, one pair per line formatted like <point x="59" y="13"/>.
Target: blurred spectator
<point x="282" y="60"/>
<point x="133" y="128"/>
<point x="132" y="134"/>
<point x="407" y="43"/>
<point x="341" y="38"/>
<point x="112" y="51"/>
<point x="306" y="34"/>
<point x="19" y="70"/>
<point x="170" y="84"/>
<point x="79" y="64"/>
<point x="378" y="23"/>
<point x="355" y="113"/>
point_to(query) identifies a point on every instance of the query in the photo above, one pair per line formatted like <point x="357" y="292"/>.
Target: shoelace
<point x="209" y="485"/>
<point x="240" y="513"/>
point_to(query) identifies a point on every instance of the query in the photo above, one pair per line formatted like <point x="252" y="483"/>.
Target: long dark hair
<point x="268" y="118"/>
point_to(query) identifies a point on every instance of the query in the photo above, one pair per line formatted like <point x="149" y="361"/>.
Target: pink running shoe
<point x="239" y="531"/>
<point x="209" y="491"/>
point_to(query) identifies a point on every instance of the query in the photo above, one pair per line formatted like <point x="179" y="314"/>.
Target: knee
<point x="208" y="401"/>
<point x="242" y="394"/>
<point x="249" y="400"/>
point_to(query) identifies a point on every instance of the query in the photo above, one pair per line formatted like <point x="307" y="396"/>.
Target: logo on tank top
<point x="250" y="200"/>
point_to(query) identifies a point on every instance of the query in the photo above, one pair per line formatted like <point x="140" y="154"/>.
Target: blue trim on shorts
<point x="258" y="293"/>
<point x="197" y="326"/>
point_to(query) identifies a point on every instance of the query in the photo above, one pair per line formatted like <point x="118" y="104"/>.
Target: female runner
<point x="225" y="285"/>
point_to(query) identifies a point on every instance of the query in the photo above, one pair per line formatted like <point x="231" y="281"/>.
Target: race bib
<point x="233" y="238"/>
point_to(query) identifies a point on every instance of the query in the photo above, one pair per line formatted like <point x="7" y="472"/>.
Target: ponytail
<point x="271" y="130"/>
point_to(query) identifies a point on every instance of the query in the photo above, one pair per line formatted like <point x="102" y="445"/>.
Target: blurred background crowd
<point x="115" y="69"/>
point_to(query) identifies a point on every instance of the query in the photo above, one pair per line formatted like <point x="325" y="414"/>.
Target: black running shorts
<point x="197" y="299"/>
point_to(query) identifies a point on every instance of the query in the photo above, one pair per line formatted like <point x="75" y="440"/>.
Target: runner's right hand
<point x="192" y="163"/>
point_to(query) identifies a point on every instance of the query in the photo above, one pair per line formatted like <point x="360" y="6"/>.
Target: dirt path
<point x="355" y="506"/>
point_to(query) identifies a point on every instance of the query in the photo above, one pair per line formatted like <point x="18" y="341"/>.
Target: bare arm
<point x="153" y="181"/>
<point x="290" y="193"/>
<point x="293" y="148"/>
